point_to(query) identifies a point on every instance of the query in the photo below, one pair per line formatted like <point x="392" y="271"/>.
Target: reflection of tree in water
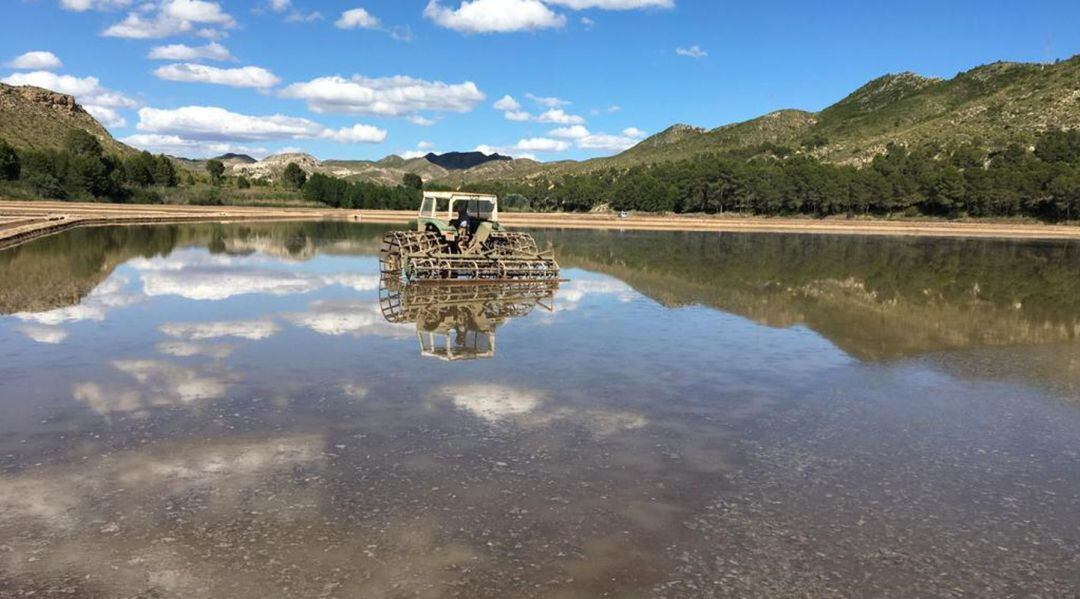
<point x="60" y="270"/>
<point x="874" y="297"/>
<point x="457" y="321"/>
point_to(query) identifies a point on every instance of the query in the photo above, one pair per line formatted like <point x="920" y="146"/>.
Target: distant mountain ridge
<point x="457" y="161"/>
<point x="992" y="105"/>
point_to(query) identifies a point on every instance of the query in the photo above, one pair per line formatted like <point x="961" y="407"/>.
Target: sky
<point x="545" y="79"/>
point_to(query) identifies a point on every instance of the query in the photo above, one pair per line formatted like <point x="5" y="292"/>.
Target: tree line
<point x="82" y="170"/>
<point x="340" y="193"/>
<point x="967" y="180"/>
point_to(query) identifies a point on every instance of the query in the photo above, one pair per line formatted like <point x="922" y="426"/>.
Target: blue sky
<point x="362" y="79"/>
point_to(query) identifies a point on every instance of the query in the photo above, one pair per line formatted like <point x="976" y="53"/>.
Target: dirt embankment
<point x="22" y="221"/>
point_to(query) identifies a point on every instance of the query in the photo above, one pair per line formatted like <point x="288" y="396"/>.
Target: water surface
<point x="226" y="411"/>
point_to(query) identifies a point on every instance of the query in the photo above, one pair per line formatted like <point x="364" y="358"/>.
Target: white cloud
<point x="173" y="17"/>
<point x="37" y="60"/>
<point x="213" y="123"/>
<point x="211" y="51"/>
<point x="336" y="318"/>
<point x="548" y="102"/>
<point x="106" y="116"/>
<point x="191" y="124"/>
<point x="186" y="349"/>
<point x="356" y="134"/>
<point x="425" y="145"/>
<point x="384" y="96"/>
<point x="85" y="5"/>
<point x="542" y="144"/>
<point x="252" y="330"/>
<point x="606" y="143"/>
<point x="50" y="334"/>
<point x="357" y="18"/>
<point x="256" y="77"/>
<point x="588" y="23"/>
<point x="560" y="117"/>
<point x="99" y="101"/>
<point x="519" y="116"/>
<point x="572" y="132"/>
<point x="587" y="140"/>
<point x="494" y="16"/>
<point x="280" y="5"/>
<point x="178" y="146"/>
<point x="612" y="4"/>
<point x="693" y="52"/>
<point x="507" y="103"/>
<point x="417" y="119"/>
<point x="299" y="17"/>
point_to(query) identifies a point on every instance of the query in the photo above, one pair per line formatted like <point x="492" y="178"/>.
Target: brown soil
<point x="22" y="221"/>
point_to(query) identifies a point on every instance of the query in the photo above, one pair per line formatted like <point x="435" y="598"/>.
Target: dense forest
<point x="1041" y="182"/>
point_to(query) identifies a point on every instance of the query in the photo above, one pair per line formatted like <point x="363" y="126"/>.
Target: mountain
<point x="232" y="158"/>
<point x="993" y="105"/>
<point x="36" y="118"/>
<point x="458" y="161"/>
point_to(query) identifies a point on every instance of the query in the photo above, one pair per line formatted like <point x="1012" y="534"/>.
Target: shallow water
<point x="225" y="411"/>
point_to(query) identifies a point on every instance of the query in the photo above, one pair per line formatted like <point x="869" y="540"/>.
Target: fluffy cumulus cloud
<point x="177" y="146"/>
<point x="542" y="144"/>
<point x="560" y="117"/>
<point x="357" y="18"/>
<point x="255" y="77"/>
<point x="36" y="61"/>
<point x="587" y="140"/>
<point x="694" y="51"/>
<point x="211" y="51"/>
<point x="507" y="103"/>
<point x="494" y="16"/>
<point x="252" y="330"/>
<point x="347" y="317"/>
<point x="99" y="101"/>
<point x="191" y="124"/>
<point x="384" y="96"/>
<point x="173" y="17"/>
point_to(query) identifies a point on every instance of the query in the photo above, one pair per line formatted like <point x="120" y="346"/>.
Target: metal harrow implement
<point x="469" y="245"/>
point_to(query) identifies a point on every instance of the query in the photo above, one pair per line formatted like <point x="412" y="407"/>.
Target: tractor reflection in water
<point x="458" y="322"/>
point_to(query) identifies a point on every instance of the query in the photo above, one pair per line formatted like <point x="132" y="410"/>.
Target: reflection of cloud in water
<point x="494" y="403"/>
<point x="355" y="390"/>
<point x="67" y="497"/>
<point x="94" y="307"/>
<point x="185" y="349"/>
<point x="243" y="329"/>
<point x="571" y="294"/>
<point x="211" y="278"/>
<point x="529" y="407"/>
<point x="43" y="333"/>
<point x="344" y="317"/>
<point x="161" y="384"/>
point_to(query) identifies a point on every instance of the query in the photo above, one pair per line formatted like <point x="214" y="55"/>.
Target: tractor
<point x="458" y="237"/>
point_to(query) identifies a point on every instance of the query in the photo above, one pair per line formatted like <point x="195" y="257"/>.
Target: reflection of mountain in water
<point x="457" y="321"/>
<point x="60" y="270"/>
<point x="875" y="298"/>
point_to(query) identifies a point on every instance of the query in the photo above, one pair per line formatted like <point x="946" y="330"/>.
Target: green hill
<point x="36" y="118"/>
<point x="991" y="105"/>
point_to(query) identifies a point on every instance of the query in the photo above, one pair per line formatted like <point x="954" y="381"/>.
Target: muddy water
<point x="225" y="411"/>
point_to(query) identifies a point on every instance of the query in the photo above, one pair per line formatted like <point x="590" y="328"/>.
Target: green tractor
<point x="458" y="237"/>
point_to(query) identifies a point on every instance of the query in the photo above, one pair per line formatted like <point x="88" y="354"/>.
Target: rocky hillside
<point x="36" y="118"/>
<point x="992" y="105"/>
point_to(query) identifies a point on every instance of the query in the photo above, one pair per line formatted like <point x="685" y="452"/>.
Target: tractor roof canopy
<point x="477" y="204"/>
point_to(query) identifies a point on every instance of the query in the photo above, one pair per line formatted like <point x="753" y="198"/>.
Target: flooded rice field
<point x="241" y="411"/>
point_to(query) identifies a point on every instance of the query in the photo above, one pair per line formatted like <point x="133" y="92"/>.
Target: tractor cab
<point x="463" y="219"/>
